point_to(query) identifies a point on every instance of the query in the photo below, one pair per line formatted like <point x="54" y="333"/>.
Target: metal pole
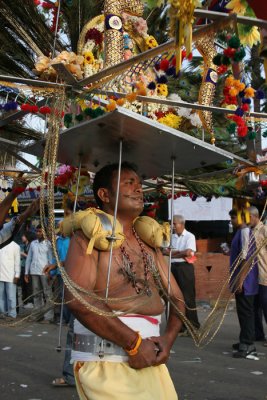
<point x="171" y="241"/>
<point x="61" y="320"/>
<point x="112" y="238"/>
<point x="77" y="187"/>
<point x="56" y="28"/>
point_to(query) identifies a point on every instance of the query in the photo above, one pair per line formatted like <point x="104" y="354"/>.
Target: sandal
<point x="59" y="382"/>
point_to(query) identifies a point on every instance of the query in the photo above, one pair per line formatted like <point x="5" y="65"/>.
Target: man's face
<point x="39" y="234"/>
<point x="178" y="227"/>
<point x="234" y="220"/>
<point x="130" y="194"/>
<point x="253" y="220"/>
<point x="23" y="239"/>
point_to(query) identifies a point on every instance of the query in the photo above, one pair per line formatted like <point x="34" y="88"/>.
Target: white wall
<point x="201" y="209"/>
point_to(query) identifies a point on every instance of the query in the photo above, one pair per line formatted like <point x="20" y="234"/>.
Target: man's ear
<point x="103" y="194"/>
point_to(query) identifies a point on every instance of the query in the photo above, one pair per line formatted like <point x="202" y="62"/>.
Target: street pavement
<point x="29" y="362"/>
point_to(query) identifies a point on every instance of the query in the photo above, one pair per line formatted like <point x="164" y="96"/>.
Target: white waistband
<point x="137" y="323"/>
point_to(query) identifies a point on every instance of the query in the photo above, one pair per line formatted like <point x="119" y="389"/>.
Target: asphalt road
<point x="29" y="362"/>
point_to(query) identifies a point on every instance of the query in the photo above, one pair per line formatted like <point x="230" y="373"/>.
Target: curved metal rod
<point x="171" y="238"/>
<point x="56" y="28"/>
<point x="112" y="238"/>
<point x="77" y="187"/>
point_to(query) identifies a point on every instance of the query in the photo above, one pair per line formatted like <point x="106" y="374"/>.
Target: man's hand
<point x="48" y="268"/>
<point x="146" y="356"/>
<point x="27" y="278"/>
<point x="19" y="184"/>
<point x="239" y="287"/>
<point x="31" y="210"/>
<point x="166" y="252"/>
<point x="16" y="280"/>
<point x="162" y="349"/>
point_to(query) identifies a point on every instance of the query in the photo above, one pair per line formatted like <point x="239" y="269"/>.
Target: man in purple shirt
<point x="244" y="284"/>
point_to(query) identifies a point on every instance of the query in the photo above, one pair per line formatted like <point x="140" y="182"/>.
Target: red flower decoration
<point x="245" y="107"/>
<point x="34" y="109"/>
<point x="190" y="57"/>
<point x="222" y="69"/>
<point x="229" y="52"/>
<point x="164" y="65"/>
<point x="226" y="90"/>
<point x="160" y="114"/>
<point x="45" y="110"/>
<point x="47" y="5"/>
<point x="94" y="34"/>
<point x="242" y="131"/>
<point x="25" y="107"/>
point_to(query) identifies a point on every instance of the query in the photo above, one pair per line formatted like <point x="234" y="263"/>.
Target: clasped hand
<point x="152" y="351"/>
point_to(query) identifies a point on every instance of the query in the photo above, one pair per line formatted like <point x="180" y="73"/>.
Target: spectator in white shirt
<point x="7" y="231"/>
<point x="184" y="244"/>
<point x="9" y="276"/>
<point x="39" y="255"/>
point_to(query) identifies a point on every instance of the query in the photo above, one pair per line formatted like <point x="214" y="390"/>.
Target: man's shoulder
<point x="189" y="234"/>
<point x="15" y="245"/>
<point x="261" y="229"/>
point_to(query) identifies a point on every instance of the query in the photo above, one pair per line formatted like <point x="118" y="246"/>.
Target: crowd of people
<point x="133" y="341"/>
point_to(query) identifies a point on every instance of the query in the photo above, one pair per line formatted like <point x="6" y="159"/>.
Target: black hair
<point x="233" y="213"/>
<point x="80" y="205"/>
<point x="103" y="178"/>
<point x="30" y="236"/>
<point x="38" y="227"/>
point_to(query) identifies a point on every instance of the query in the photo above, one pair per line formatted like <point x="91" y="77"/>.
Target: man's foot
<point x="246" y="351"/>
<point x="235" y="346"/>
<point x="60" y="382"/>
<point x="265" y="344"/>
<point x="28" y="305"/>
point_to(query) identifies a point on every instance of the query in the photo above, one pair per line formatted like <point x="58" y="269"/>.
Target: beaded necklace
<point x="140" y="285"/>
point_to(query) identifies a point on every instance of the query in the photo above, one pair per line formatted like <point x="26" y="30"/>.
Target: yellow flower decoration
<point x="237" y="6"/>
<point x="250" y="38"/>
<point x="162" y="89"/>
<point x="88" y="57"/>
<point x="171" y="120"/>
<point x="111" y="106"/>
<point x="230" y="107"/>
<point x="151" y="42"/>
<point x="249" y="92"/>
<point x="233" y="92"/>
<point x="239" y="85"/>
<point x="120" y="101"/>
<point x="229" y="81"/>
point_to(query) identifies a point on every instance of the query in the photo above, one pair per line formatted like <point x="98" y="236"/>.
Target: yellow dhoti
<point x="103" y="380"/>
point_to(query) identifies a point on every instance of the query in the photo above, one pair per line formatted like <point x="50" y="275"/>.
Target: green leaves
<point x="153" y="3"/>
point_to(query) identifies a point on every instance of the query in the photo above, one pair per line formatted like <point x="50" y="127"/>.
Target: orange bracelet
<point x="134" y="351"/>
